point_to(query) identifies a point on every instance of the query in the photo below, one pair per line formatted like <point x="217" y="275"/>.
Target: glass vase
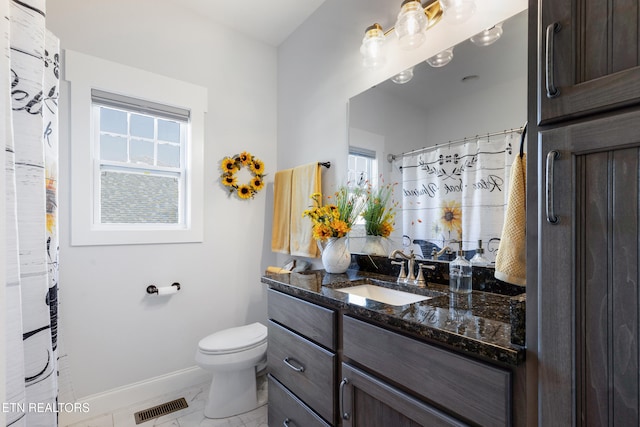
<point x="373" y="246"/>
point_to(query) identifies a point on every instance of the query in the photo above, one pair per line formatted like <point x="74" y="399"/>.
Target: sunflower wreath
<point x="232" y="165"/>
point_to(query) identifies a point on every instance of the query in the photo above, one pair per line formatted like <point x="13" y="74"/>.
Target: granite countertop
<point x="477" y="325"/>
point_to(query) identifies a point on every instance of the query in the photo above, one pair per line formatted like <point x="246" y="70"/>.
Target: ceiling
<point x="269" y="21"/>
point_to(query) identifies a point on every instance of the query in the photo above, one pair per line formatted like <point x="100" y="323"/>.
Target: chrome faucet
<point x="411" y="259"/>
<point x="420" y="280"/>
<point x="435" y="254"/>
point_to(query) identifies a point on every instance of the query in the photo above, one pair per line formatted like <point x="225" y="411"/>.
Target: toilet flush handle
<point x="287" y="361"/>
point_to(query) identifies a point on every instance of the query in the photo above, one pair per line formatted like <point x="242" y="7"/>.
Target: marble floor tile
<point x="105" y="420"/>
<point x="255" y="418"/>
<point x="193" y="416"/>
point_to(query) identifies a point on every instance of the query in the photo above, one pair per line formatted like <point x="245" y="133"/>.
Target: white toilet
<point x="234" y="356"/>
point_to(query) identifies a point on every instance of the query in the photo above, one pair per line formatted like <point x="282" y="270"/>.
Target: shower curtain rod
<point x="392" y="157"/>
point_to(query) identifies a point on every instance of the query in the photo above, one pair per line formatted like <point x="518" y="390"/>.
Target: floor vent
<point x="160" y="410"/>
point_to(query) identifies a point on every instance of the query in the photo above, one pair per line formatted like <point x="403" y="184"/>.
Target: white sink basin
<point x="357" y="295"/>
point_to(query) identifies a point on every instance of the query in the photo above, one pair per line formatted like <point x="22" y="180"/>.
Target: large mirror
<point x="478" y="97"/>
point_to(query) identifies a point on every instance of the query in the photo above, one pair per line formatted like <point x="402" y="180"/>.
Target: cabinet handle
<point x="551" y="215"/>
<point x="552" y="90"/>
<point x="343" y="414"/>
<point x="287" y="361"/>
<point x="285" y="423"/>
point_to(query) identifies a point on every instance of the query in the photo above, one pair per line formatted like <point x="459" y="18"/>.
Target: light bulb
<point x="458" y="11"/>
<point x="372" y="48"/>
<point x="411" y="24"/>
<point x="403" y="76"/>
<point x="488" y="36"/>
<point x="441" y="59"/>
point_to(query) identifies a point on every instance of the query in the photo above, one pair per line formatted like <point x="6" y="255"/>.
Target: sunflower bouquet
<point x="379" y="211"/>
<point x="335" y="219"/>
<point x="232" y="165"/>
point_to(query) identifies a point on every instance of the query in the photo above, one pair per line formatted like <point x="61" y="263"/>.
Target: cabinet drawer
<point x="470" y="389"/>
<point x="285" y="407"/>
<point x="305" y="368"/>
<point x="314" y="322"/>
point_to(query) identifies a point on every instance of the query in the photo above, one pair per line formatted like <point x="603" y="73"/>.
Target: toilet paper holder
<point x="153" y="289"/>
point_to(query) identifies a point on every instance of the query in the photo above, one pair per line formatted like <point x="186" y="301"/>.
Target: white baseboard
<point x="122" y="397"/>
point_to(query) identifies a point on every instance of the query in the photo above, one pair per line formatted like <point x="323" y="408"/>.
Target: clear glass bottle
<point x="478" y="259"/>
<point x="460" y="274"/>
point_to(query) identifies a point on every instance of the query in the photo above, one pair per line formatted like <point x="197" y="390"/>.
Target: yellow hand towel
<point x="305" y="181"/>
<point x="277" y="270"/>
<point x="281" y="211"/>
<point x="511" y="262"/>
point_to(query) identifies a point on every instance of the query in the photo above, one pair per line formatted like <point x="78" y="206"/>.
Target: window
<point x="362" y="167"/>
<point x="362" y="171"/>
<point x="136" y="155"/>
<point x="139" y="161"/>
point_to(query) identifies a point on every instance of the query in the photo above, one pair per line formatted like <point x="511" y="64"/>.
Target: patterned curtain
<point x="31" y="172"/>
<point x="458" y="192"/>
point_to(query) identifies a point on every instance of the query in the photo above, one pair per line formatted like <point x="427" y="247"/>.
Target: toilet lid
<point x="234" y="339"/>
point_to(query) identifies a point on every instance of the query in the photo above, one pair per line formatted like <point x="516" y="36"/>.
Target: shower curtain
<point x="30" y="136"/>
<point x="458" y="192"/>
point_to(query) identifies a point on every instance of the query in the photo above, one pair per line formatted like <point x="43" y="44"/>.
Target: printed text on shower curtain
<point x="457" y="193"/>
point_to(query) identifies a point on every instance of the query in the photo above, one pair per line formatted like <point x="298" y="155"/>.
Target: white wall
<point x="113" y="333"/>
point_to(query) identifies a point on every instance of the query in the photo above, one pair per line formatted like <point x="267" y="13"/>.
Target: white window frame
<point x="84" y="73"/>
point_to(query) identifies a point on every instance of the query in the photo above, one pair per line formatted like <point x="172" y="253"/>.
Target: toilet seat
<point x="234" y="340"/>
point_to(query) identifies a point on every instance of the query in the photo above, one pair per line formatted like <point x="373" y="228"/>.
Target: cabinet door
<point x="466" y="387"/>
<point x="588" y="361"/>
<point x="588" y="53"/>
<point x="366" y="401"/>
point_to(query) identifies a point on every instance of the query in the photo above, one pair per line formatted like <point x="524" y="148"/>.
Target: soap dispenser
<point x="460" y="274"/>
<point x="478" y="259"/>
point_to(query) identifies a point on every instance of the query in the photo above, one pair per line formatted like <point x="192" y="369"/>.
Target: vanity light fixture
<point x="403" y="76"/>
<point x="488" y="36"/>
<point x="413" y="20"/>
<point x="411" y="24"/>
<point x="372" y="48"/>
<point x="441" y="59"/>
<point x="458" y="11"/>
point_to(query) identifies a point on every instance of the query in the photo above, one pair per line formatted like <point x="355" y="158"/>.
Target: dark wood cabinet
<point x="584" y="312"/>
<point x="589" y="358"/>
<point x="589" y="56"/>
<point x="327" y="367"/>
<point x="306" y="369"/>
<point x="367" y="401"/>
<point x="301" y="361"/>
<point x="462" y="387"/>
<point x="286" y="409"/>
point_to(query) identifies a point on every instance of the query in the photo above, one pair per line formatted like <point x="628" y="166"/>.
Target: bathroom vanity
<point x="336" y="358"/>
